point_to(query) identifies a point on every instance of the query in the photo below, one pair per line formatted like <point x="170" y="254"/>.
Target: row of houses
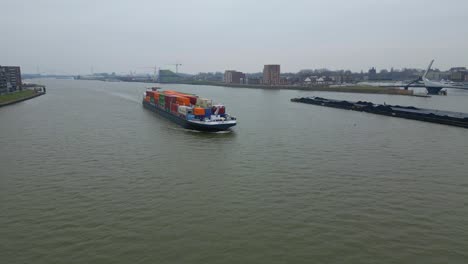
<point x="458" y="74"/>
<point x="455" y="74"/>
<point x="272" y="76"/>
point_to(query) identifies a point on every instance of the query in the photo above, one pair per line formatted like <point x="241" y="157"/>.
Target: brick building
<point x="234" y="77"/>
<point x="271" y="74"/>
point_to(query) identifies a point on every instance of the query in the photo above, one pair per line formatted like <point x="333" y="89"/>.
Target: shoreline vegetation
<point x="16" y="97"/>
<point x="359" y="88"/>
<point x="320" y="88"/>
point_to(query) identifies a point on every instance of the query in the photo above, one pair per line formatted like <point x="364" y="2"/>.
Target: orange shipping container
<point x="170" y="92"/>
<point x="156" y="96"/>
<point x="198" y="111"/>
<point x="175" y="92"/>
<point x="183" y="100"/>
<point x="192" y="98"/>
<point x="147" y="98"/>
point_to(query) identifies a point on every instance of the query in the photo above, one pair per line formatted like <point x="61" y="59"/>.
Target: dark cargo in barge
<point x="408" y="112"/>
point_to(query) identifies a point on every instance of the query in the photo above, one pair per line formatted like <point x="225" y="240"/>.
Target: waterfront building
<point x="347" y="78"/>
<point x="458" y="74"/>
<point x="372" y="74"/>
<point x="254" y="81"/>
<point x="234" y="77"/>
<point x="284" y="81"/>
<point x="10" y="79"/>
<point x="458" y="69"/>
<point x="271" y="74"/>
<point x="435" y="75"/>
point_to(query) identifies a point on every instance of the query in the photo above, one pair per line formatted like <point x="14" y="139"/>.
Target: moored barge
<point x="409" y="112"/>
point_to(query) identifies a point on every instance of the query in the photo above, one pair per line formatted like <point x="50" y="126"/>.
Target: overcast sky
<point x="73" y="36"/>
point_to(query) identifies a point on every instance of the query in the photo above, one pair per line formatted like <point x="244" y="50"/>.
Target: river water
<point x="89" y="176"/>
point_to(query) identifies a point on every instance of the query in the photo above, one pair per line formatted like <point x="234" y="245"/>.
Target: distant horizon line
<point x="201" y="72"/>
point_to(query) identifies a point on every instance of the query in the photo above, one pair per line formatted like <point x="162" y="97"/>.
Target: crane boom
<point x="176" y="66"/>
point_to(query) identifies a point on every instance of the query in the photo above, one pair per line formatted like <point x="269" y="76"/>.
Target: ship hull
<point x="186" y="123"/>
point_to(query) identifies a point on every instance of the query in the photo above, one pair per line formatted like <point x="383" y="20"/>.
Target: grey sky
<point x="60" y="36"/>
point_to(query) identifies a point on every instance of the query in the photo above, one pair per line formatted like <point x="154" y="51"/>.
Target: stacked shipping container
<point x="185" y="104"/>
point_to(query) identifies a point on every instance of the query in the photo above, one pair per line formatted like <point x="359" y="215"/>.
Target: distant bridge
<point x="432" y="87"/>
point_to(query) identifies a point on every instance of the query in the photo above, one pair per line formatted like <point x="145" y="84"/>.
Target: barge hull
<point x="426" y="115"/>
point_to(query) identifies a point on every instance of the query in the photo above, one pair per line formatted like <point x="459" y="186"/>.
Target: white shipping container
<point x="184" y="109"/>
<point x="203" y="102"/>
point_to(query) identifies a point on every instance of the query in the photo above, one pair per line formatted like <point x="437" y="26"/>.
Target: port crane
<point x="176" y="66"/>
<point x="155" y="71"/>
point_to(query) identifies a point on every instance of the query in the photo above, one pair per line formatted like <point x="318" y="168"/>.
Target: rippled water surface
<point x="89" y="176"/>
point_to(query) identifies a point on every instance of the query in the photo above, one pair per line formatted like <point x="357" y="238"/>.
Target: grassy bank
<point x="6" y="98"/>
<point x="322" y="88"/>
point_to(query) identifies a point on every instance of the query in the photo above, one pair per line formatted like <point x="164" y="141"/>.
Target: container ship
<point x="188" y="110"/>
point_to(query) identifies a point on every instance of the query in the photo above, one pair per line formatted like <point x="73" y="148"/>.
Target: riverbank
<point x="16" y="97"/>
<point x="321" y="88"/>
